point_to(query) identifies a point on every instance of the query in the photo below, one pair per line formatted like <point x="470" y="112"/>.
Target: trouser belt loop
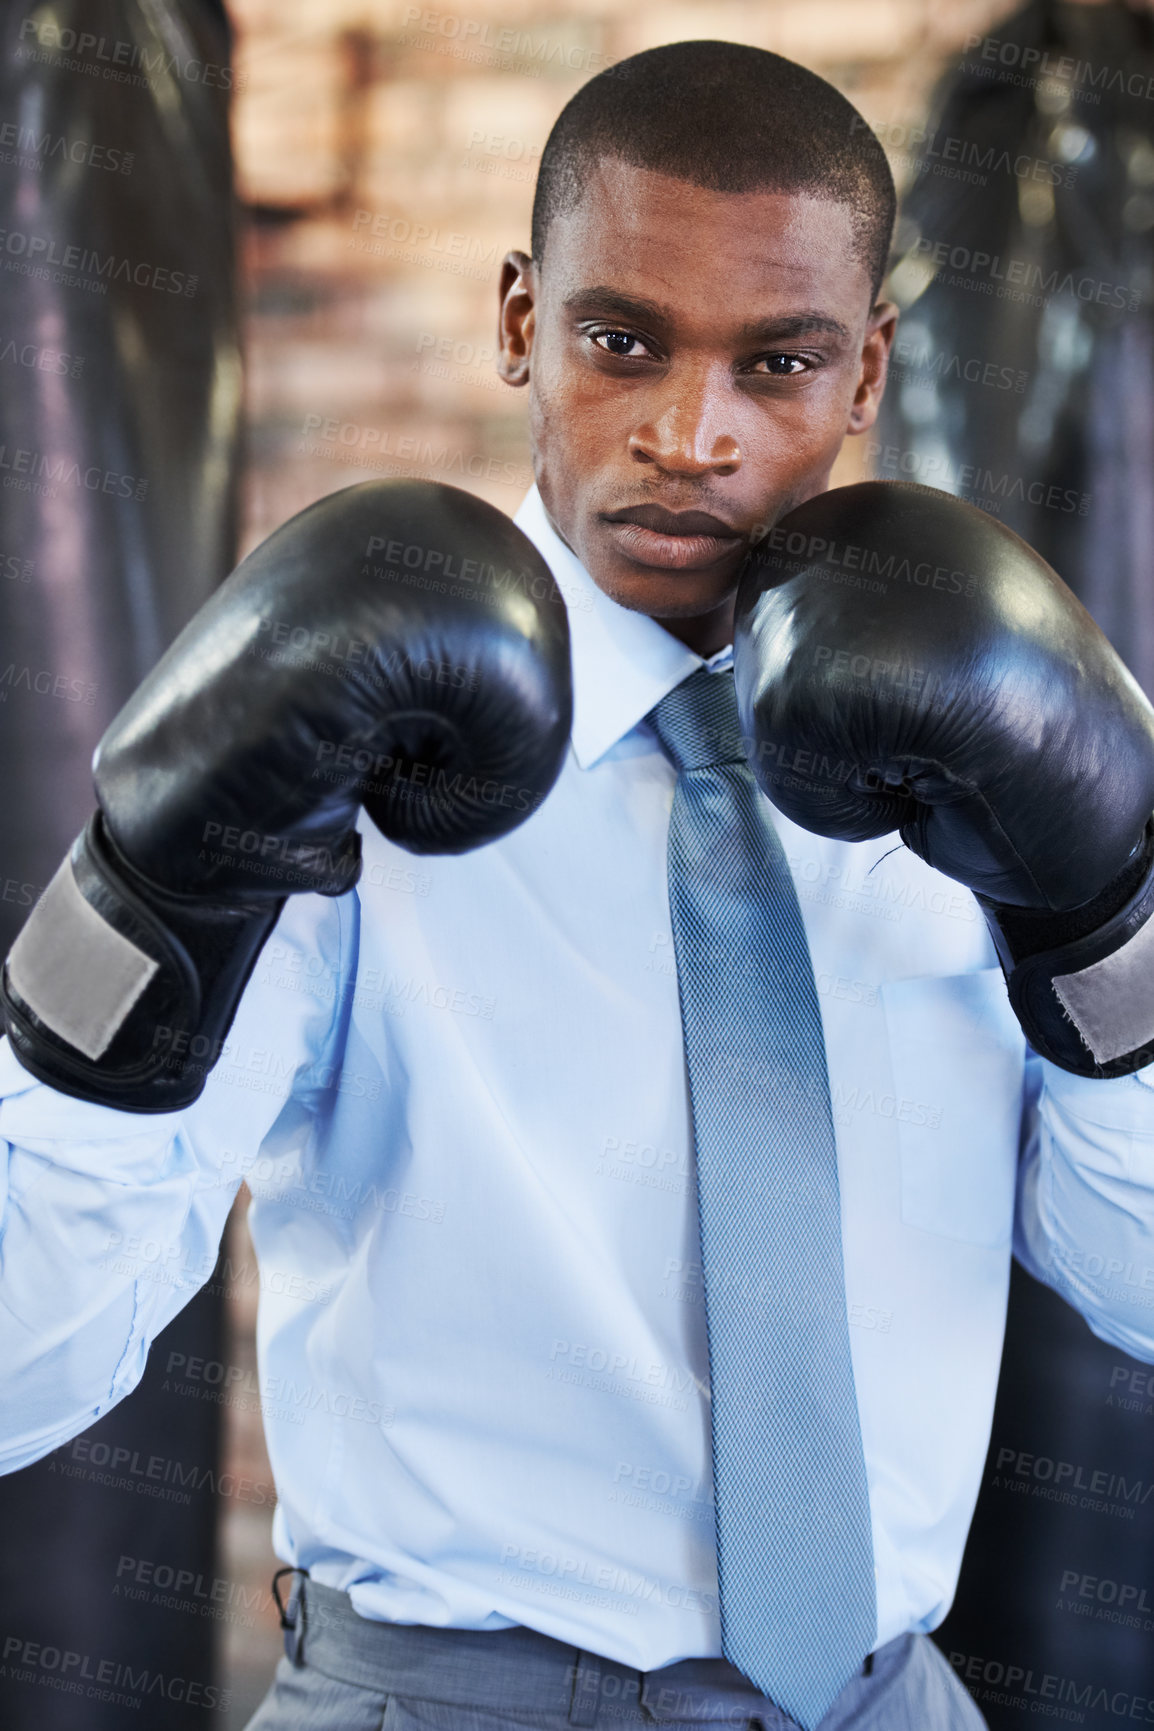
<point x="293" y="1613"/>
<point x="586" y="1689"/>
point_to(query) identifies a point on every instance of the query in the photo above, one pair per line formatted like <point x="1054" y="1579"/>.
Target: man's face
<point x="694" y="360"/>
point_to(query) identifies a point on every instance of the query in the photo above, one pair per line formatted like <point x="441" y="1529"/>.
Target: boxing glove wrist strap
<point x="1086" y="1000"/>
<point x="121" y="992"/>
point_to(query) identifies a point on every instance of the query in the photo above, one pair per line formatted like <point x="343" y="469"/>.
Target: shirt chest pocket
<point x="957" y="1056"/>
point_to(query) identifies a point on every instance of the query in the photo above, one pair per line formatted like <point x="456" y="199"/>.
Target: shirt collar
<point x="623" y="662"/>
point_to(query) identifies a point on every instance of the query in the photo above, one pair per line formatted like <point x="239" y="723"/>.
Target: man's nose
<point x="688" y="427"/>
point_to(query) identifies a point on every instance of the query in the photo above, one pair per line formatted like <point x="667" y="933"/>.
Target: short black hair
<point x="728" y="117"/>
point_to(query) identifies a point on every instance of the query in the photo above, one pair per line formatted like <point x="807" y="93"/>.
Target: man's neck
<point x="706" y="633"/>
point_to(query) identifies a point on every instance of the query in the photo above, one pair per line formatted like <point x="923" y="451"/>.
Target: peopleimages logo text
<point x="117" y="59"/>
<point x="1023" y="275"/>
<point x="43" y="250"/>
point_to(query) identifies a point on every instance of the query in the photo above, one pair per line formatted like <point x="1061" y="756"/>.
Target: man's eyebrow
<point x="792" y="325"/>
<point x="611" y="303"/>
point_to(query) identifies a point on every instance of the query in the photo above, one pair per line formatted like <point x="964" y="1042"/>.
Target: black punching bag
<point x="119" y="421"/>
<point x="1023" y="380"/>
<point x="1023" y="375"/>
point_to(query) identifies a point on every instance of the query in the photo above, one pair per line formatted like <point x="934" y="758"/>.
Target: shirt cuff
<point x="34" y="1114"/>
<point x="1121" y="1103"/>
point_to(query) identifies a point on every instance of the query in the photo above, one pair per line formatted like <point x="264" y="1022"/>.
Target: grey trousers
<point x="344" y="1673"/>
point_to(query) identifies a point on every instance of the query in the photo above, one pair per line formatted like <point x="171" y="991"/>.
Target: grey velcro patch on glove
<point x="1111" y="1003"/>
<point x="78" y="975"/>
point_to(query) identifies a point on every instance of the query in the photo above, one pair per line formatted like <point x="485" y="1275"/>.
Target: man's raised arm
<point x="400" y="647"/>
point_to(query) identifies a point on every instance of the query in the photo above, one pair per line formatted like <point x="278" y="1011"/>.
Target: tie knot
<point x="697" y="721"/>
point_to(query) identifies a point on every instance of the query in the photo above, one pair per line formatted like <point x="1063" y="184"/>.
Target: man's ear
<point x="517" y="318"/>
<point x="875" y="357"/>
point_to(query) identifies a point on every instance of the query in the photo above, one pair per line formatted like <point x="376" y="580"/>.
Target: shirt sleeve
<point x="110" y="1221"/>
<point x="1085" y="1203"/>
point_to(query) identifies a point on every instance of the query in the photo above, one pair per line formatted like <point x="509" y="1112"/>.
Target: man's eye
<point x="620" y="343"/>
<point x="782" y="366"/>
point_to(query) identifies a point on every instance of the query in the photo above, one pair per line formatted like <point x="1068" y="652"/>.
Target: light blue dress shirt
<point x="458" y="1096"/>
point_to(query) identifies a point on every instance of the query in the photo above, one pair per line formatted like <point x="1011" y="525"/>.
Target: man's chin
<point x="667" y="595"/>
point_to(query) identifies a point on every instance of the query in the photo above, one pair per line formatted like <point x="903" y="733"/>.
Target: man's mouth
<point x="672" y="540"/>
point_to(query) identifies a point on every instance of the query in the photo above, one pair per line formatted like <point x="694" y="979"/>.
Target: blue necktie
<point x="794" y="1550"/>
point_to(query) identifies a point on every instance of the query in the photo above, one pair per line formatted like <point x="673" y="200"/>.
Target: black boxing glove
<point x="401" y="646"/>
<point x="903" y="661"/>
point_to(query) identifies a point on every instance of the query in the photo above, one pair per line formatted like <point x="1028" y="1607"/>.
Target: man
<point x="473" y="1167"/>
